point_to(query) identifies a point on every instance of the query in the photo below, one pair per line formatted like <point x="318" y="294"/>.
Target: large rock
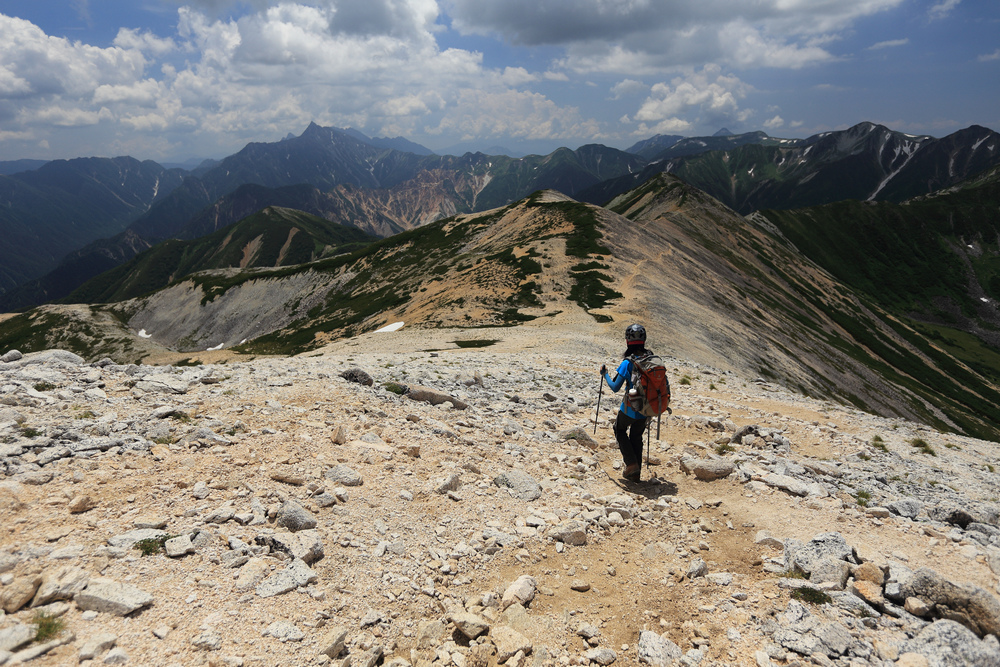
<point x="803" y="558"/>
<point x="294" y="517"/>
<point x="956" y="516"/>
<point x="295" y="575"/>
<point x="524" y="486"/>
<point x="433" y="396"/>
<point x="60" y="584"/>
<point x="333" y="642"/>
<point x="19" y="592"/>
<point x="53" y="357"/>
<point x="973" y="607"/>
<point x="521" y="591"/>
<point x="163" y="384"/>
<point x="906" y="507"/>
<point x="11" y="356"/>
<point x="570" y="532"/>
<point x="470" y="625"/>
<point x="786" y="483"/>
<point x="813" y="636"/>
<point x="16" y="635"/>
<point x="111" y="597"/>
<point x="178" y="546"/>
<point x="341" y="474"/>
<point x="949" y="644"/>
<point x="657" y="650"/>
<point x="708" y="469"/>
<point x="600" y="656"/>
<point x="251" y="574"/>
<point x="509" y="642"/>
<point x="830" y="570"/>
<point x="306" y="545"/>
<point x="357" y="376"/>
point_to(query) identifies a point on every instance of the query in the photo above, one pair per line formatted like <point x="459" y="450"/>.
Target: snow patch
<point x="217" y="347"/>
<point x="979" y="143"/>
<point x="143" y="334"/>
<point x="395" y="326"/>
<point x="984" y="299"/>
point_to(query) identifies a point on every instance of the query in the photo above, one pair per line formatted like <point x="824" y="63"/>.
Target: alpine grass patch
<point x="923" y="446"/>
<point x="152" y="545"/>
<point x="811" y="595"/>
<point x="48" y="626"/>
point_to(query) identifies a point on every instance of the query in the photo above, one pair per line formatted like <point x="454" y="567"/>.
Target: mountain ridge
<point x="731" y="292"/>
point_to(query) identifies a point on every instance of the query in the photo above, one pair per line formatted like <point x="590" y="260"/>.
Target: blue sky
<point x="170" y="80"/>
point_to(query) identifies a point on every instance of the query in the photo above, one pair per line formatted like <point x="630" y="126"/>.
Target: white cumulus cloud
<point x="702" y="97"/>
<point x="774" y="123"/>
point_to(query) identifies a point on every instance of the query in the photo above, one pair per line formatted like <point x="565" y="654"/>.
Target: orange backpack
<point x="651" y="388"/>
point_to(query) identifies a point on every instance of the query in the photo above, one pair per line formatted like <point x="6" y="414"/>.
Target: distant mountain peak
<point x="724" y="132"/>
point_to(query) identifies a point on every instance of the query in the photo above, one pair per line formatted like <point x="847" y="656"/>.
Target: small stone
<point x="80" y="504"/>
<point x="917" y="607"/>
<point x="96" y="645"/>
<point x="697" y="568"/>
<point x="332" y="644"/>
<point x="341" y="474"/>
<point x="580" y="585"/>
<point x="572" y="532"/>
<point x="601" y="656"/>
<point x="207" y="640"/>
<point x="283" y="632"/>
<point x="116" y="656"/>
<point x="657" y="651"/>
<point x="869" y="592"/>
<point x="179" y="546"/>
<point x="708" y="469"/>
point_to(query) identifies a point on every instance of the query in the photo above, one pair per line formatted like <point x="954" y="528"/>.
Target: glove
<point x="604" y="370"/>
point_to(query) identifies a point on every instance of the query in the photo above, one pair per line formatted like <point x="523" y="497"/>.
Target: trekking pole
<point x="647" y="449"/>
<point x="600" y="389"/>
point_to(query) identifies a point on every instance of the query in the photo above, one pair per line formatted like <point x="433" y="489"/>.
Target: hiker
<point x="630" y="424"/>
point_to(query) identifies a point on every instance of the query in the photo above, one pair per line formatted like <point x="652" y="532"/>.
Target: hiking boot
<point x="632" y="472"/>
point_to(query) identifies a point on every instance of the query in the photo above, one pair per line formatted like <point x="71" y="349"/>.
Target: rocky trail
<point x="439" y="505"/>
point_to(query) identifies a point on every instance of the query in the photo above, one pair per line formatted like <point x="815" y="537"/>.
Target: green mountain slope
<point x="272" y="237"/>
<point x="792" y="321"/>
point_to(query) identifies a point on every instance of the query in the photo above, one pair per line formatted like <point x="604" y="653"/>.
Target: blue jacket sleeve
<point x="622" y="376"/>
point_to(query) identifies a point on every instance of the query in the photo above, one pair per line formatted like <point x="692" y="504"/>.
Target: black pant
<point x="628" y="433"/>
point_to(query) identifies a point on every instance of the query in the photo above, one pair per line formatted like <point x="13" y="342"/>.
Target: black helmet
<point x="635" y="334"/>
